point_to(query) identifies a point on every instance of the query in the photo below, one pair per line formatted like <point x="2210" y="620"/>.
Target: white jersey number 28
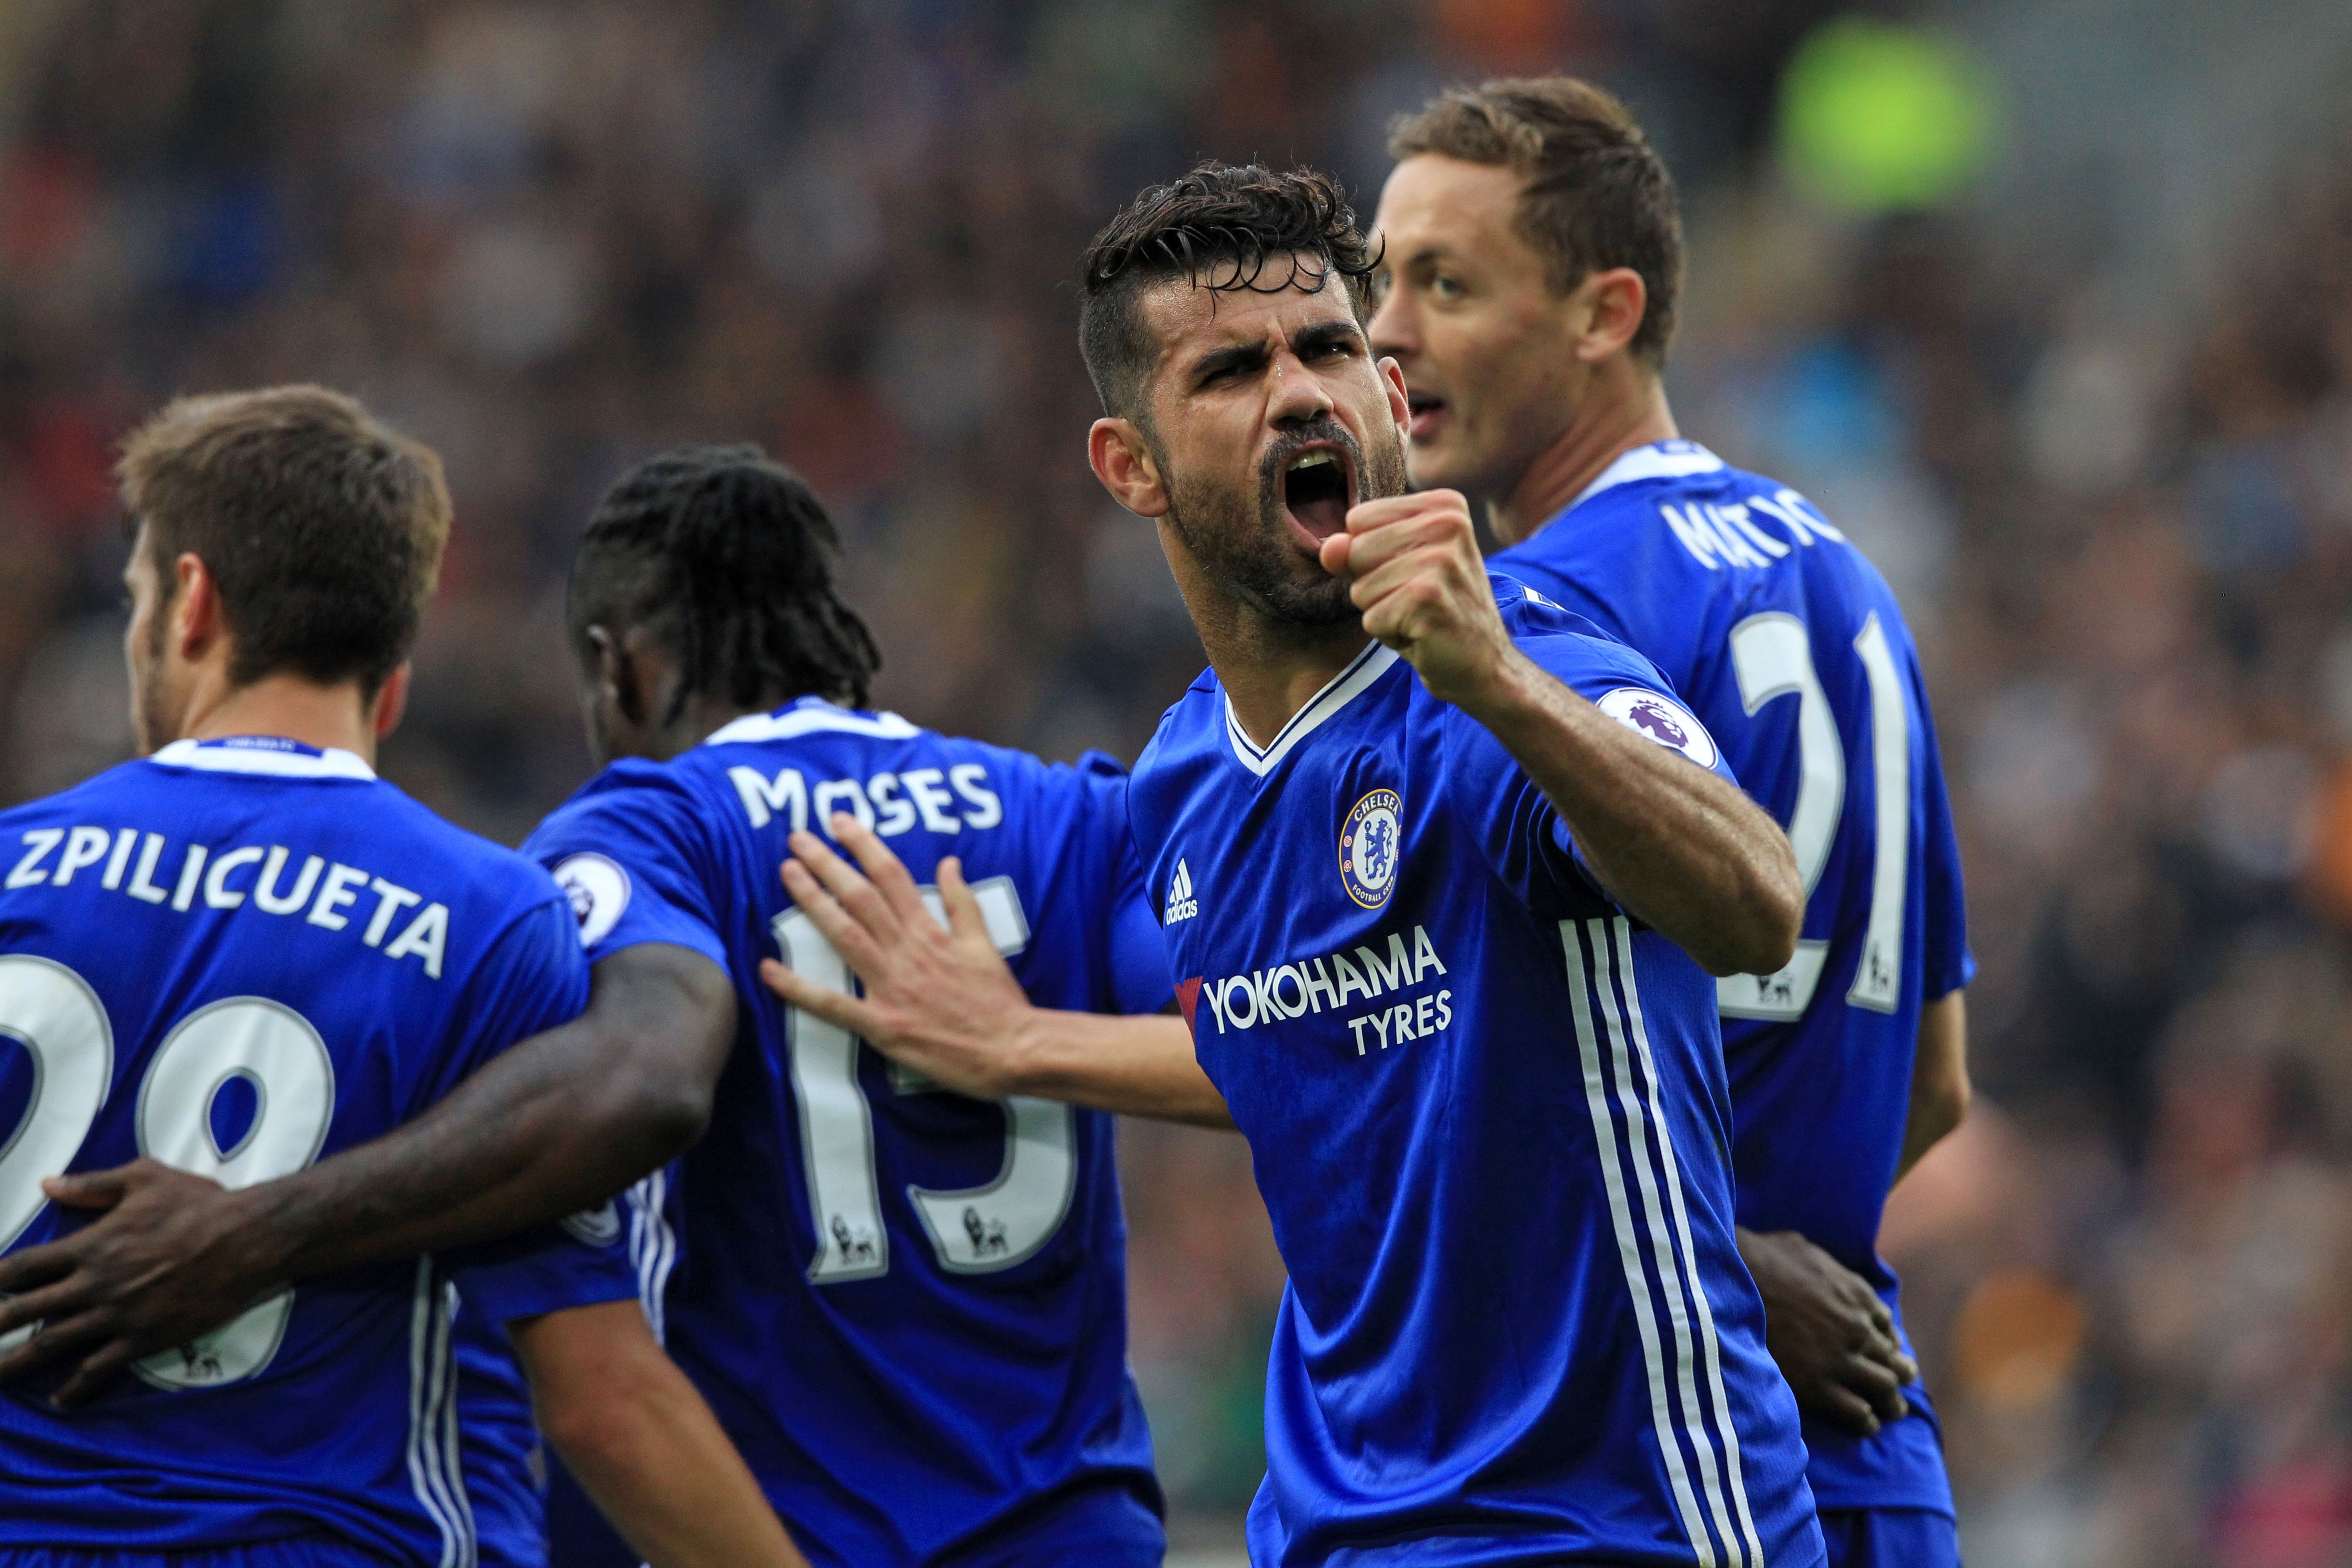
<point x="52" y="1014"/>
<point x="1773" y="656"/>
<point x="972" y="1230"/>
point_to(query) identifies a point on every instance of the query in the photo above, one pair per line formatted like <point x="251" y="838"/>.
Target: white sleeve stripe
<point x="1708" y="1338"/>
<point x="1639" y="1120"/>
<point x="431" y="1386"/>
<point x="1637" y="1281"/>
<point x="452" y="1454"/>
<point x="652" y="1247"/>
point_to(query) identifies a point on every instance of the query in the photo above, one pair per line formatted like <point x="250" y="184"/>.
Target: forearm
<point x="1940" y="1089"/>
<point x="557" y="1124"/>
<point x="1681" y="848"/>
<point x="1134" y="1067"/>
<point x="551" y="1128"/>
<point x="644" y="1446"/>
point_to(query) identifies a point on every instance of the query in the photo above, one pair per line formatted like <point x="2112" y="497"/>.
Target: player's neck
<point x="1583" y="453"/>
<point x="332" y="718"/>
<point x="705" y="716"/>
<point x="1270" y="672"/>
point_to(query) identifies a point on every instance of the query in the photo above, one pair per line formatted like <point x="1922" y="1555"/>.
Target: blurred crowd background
<point x="2047" y="302"/>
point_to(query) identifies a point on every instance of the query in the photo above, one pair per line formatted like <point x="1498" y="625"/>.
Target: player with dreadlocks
<point x="704" y="585"/>
<point x="907" y="1306"/>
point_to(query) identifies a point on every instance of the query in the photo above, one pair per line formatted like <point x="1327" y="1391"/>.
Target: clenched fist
<point x="1415" y="571"/>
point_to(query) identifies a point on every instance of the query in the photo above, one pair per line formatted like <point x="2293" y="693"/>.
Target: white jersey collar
<point x="266" y="756"/>
<point x="1342" y="689"/>
<point x="811" y="716"/>
<point x="1670" y="459"/>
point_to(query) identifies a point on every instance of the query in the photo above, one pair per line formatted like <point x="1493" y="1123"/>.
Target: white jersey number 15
<point x="972" y="1230"/>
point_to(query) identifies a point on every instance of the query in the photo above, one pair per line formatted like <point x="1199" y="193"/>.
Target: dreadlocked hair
<point x="727" y="555"/>
<point x="1225" y="228"/>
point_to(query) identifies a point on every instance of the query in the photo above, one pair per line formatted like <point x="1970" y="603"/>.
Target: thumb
<point x="964" y="916"/>
<point x="89" y="1190"/>
<point x="1334" y="551"/>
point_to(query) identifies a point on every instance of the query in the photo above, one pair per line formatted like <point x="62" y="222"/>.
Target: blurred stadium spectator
<point x="2084" y="388"/>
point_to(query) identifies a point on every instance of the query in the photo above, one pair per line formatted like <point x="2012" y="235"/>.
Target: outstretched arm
<point x="941" y="1001"/>
<point x="1677" y="845"/>
<point x="643" y="1443"/>
<point x="558" y="1123"/>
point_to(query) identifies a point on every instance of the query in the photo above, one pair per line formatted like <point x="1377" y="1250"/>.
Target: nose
<point x="1298" y="396"/>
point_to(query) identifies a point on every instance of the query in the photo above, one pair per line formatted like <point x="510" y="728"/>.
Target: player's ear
<point x="1400" y="406"/>
<point x="196" y="610"/>
<point x="1122" y="461"/>
<point x="611" y="674"/>
<point x="1615" y="301"/>
<point x="647" y="677"/>
<point x="392" y="701"/>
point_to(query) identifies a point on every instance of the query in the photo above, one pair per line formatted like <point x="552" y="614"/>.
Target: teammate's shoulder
<point x="98" y="787"/>
<point x="494" y="873"/>
<point x="635" y="776"/>
<point x="636" y="795"/>
<point x="1678" y="508"/>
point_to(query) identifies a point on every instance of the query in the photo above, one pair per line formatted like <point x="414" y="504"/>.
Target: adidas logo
<point x="1181" y="904"/>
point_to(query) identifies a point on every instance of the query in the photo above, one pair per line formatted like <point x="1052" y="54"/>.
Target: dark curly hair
<point x="727" y="555"/>
<point x="1222" y="227"/>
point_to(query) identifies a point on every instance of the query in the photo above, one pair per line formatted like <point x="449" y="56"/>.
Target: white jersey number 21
<point x="972" y="1230"/>
<point x="1773" y="656"/>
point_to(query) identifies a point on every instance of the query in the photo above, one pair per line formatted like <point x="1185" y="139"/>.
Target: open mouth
<point x="1318" y="488"/>
<point x="1426" y="410"/>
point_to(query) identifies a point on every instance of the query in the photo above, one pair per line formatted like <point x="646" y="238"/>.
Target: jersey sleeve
<point x="533" y="978"/>
<point x="1524" y="838"/>
<point x="1139" y="982"/>
<point x="1949" y="965"/>
<point x="632" y="854"/>
<point x="582" y="1261"/>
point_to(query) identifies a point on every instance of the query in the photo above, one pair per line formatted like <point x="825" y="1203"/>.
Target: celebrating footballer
<point x="727" y="1179"/>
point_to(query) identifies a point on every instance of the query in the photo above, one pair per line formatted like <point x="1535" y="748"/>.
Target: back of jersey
<point x="238" y="958"/>
<point x="1791" y="649"/>
<point x="907" y="1307"/>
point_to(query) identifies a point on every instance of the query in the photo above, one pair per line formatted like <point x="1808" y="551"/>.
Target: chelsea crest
<point x="1371" y="845"/>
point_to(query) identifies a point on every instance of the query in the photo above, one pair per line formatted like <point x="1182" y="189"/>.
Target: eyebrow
<point x="1253" y="355"/>
<point x="1236" y="357"/>
<point x="1327" y="334"/>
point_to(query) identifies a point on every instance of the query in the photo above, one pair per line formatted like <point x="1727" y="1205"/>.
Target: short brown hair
<point x="322" y="525"/>
<point x="1224" y="228"/>
<point x="1597" y="194"/>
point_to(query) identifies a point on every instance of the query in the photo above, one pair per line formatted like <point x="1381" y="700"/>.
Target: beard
<point x="151" y="709"/>
<point x="1244" y="542"/>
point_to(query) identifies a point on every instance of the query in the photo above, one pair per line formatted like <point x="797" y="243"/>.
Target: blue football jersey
<point x="238" y="957"/>
<point x="506" y="1470"/>
<point x="1790" y="646"/>
<point x="907" y="1307"/>
<point x="1489" y="1119"/>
